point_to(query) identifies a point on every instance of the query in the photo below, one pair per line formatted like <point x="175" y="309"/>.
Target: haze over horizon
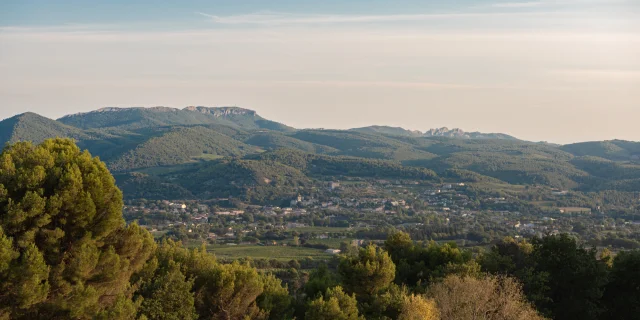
<point x="559" y="71"/>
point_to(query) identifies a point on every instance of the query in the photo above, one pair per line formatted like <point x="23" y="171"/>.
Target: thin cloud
<point x="271" y="18"/>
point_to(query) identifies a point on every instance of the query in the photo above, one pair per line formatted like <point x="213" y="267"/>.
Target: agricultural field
<point x="158" y="234"/>
<point x="500" y="187"/>
<point x="575" y="210"/>
<point x="267" y="252"/>
<point x="323" y="229"/>
<point x="549" y="205"/>
<point x="333" y="243"/>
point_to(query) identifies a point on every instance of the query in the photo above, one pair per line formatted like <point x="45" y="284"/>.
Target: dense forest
<point x="67" y="253"/>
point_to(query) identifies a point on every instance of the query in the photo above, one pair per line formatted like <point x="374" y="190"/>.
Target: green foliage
<point x="357" y="144"/>
<point x="320" y="280"/>
<point x="516" y="259"/>
<point x="607" y="169"/>
<point x="622" y="293"/>
<point x="255" y="181"/>
<point x="221" y="291"/>
<point x="275" y="299"/>
<point x="563" y="279"/>
<point x="322" y="165"/>
<point x="137" y="185"/>
<point x="169" y="296"/>
<point x="228" y="292"/>
<point x="419" y="265"/>
<point x="270" y="140"/>
<point x="123" y="308"/>
<point x="67" y="250"/>
<point x="576" y="278"/>
<point x="611" y="150"/>
<point x="179" y="145"/>
<point x="397" y="302"/>
<point x="516" y="168"/>
<point x="369" y="272"/>
<point x="334" y="305"/>
<point x="35" y="128"/>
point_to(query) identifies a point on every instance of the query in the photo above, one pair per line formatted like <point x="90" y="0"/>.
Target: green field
<point x="158" y="234"/>
<point x="267" y="252"/>
<point x="504" y="187"/>
<point x="550" y="206"/>
<point x="323" y="229"/>
<point x="332" y="243"/>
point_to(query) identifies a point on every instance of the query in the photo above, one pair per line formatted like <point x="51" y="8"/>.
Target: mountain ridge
<point x="201" y="141"/>
<point x="434" y="132"/>
<point x="81" y="120"/>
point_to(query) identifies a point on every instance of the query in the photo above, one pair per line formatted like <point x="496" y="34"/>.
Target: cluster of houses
<point x="449" y="203"/>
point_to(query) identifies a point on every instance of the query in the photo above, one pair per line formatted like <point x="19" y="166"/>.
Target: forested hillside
<point x="177" y="145"/>
<point x="36" y="128"/>
<point x="612" y="150"/>
<point x="140" y="139"/>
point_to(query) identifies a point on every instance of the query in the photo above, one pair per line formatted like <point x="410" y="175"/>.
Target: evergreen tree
<point x="576" y="278"/>
<point x="367" y="273"/>
<point x="169" y="297"/>
<point x="66" y="251"/>
<point x="334" y="305"/>
<point x="320" y="280"/>
<point x="275" y="301"/>
<point x="622" y="293"/>
<point x="515" y="258"/>
<point x="228" y="291"/>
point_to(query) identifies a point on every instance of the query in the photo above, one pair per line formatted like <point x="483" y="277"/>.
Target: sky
<point x="561" y="71"/>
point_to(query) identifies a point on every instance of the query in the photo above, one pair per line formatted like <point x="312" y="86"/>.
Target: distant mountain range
<point x="30" y="126"/>
<point x="439" y="132"/>
<point x="168" y="152"/>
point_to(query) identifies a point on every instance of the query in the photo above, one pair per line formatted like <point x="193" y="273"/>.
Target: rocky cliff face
<point x="215" y="111"/>
<point x="459" y="133"/>
<point x="116" y="109"/>
<point x="438" y="132"/>
<point x="446" y="132"/>
<point x="222" y="111"/>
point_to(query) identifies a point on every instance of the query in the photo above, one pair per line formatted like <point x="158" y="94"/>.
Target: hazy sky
<point x="554" y="70"/>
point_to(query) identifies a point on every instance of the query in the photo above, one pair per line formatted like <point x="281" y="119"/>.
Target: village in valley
<point x="341" y="215"/>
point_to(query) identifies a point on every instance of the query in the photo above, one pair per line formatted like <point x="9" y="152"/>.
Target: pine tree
<point x="66" y="251"/>
<point x="169" y="296"/>
<point x="334" y="305"/>
<point x="367" y="273"/>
